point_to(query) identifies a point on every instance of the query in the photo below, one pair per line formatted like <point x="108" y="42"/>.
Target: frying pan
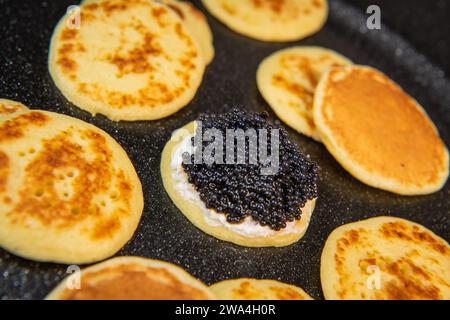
<point x="164" y="233"/>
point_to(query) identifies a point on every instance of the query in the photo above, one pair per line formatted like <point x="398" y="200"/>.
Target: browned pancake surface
<point x="382" y="129"/>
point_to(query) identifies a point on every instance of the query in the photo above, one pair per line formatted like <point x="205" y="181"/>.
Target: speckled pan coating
<point x="25" y="30"/>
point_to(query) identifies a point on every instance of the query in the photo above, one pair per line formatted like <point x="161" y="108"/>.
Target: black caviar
<point x="240" y="190"/>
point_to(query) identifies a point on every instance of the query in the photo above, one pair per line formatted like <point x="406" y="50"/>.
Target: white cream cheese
<point x="249" y="227"/>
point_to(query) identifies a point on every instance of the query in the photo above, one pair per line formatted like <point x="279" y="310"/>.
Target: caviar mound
<point x="249" y="232"/>
<point x="241" y="190"/>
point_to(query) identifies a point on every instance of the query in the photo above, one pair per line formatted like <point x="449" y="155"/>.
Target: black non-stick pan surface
<point x="164" y="233"/>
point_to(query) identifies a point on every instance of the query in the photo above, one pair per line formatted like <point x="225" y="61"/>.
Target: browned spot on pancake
<point x="124" y="187"/>
<point x="346" y="242"/>
<point x="64" y="56"/>
<point x="177" y="10"/>
<point x="284" y="293"/>
<point x="8" y="108"/>
<point x="418" y="270"/>
<point x="365" y="263"/>
<point x="409" y="290"/>
<point x="245" y="291"/>
<point x="14" y="128"/>
<point x="317" y="4"/>
<point x="182" y="35"/>
<point x="350" y="238"/>
<point x="91" y="6"/>
<point x="381" y="129"/>
<point x="4" y="171"/>
<point x="39" y="194"/>
<point x="296" y="89"/>
<point x="110" y="7"/>
<point x="89" y="12"/>
<point x="194" y="11"/>
<point x="229" y="8"/>
<point x="158" y="12"/>
<point x="353" y="236"/>
<point x="80" y="48"/>
<point x="257" y="3"/>
<point x="137" y="59"/>
<point x="396" y="230"/>
<point x="143" y="58"/>
<point x="401" y="278"/>
<point x="107" y="228"/>
<point x="399" y="230"/>
<point x="66" y="48"/>
<point x="308" y="120"/>
<point x="68" y="34"/>
<point x="154" y="94"/>
<point x="406" y="286"/>
<point x="275" y="5"/>
<point x="284" y="11"/>
<point x="70" y="47"/>
<point x="132" y="282"/>
<point x="296" y="63"/>
<point x="339" y="261"/>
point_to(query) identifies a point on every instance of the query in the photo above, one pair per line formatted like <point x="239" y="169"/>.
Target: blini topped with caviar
<point x="240" y="179"/>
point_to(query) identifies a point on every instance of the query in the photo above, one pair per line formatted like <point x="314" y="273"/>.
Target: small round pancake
<point x="287" y="80"/>
<point x="253" y="289"/>
<point x="385" y="258"/>
<point x="197" y="24"/>
<point x="378" y="133"/>
<point x="129" y="60"/>
<point x="195" y="213"/>
<point x="195" y="21"/>
<point x="68" y="191"/>
<point x="132" y="278"/>
<point x="10" y="107"/>
<point x="271" y="20"/>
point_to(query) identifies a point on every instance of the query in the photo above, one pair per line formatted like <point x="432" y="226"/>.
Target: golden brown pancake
<point x="380" y="134"/>
<point x="253" y="289"/>
<point x="271" y="20"/>
<point x="129" y="60"/>
<point x="132" y="278"/>
<point x="287" y="79"/>
<point x="68" y="191"/>
<point x="385" y="258"/>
